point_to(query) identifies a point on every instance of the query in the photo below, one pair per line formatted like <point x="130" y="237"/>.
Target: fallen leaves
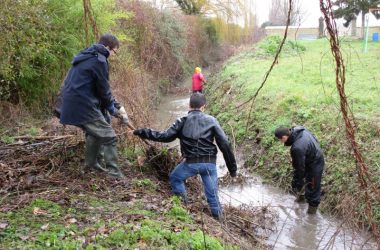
<point x="72" y="221"/>
<point x="141" y="160"/>
<point x="3" y="225"/>
<point x="102" y="229"/>
<point x="82" y="239"/>
<point x="24" y="237"/>
<point x="39" y="211"/>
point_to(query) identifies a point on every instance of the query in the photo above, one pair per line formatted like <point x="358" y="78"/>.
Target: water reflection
<point x="295" y="228"/>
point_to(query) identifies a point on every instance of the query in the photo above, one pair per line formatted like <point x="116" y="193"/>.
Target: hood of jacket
<point x="295" y="133"/>
<point x="90" y="52"/>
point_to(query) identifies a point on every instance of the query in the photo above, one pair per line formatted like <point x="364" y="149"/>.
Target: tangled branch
<point x="275" y="61"/>
<point x="340" y="78"/>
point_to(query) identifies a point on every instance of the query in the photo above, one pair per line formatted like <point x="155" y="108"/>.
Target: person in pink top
<point x="198" y="80"/>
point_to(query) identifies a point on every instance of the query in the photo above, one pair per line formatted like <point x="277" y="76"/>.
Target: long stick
<point x="129" y="125"/>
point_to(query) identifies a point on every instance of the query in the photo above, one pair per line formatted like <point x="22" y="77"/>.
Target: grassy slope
<point x="64" y="209"/>
<point x="90" y="222"/>
<point x="301" y="90"/>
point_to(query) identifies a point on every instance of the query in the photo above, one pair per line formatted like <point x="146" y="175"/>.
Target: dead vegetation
<point x="47" y="166"/>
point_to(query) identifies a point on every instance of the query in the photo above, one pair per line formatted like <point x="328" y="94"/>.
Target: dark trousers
<point x="313" y="177"/>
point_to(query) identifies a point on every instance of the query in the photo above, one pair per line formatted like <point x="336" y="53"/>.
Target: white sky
<point x="309" y="7"/>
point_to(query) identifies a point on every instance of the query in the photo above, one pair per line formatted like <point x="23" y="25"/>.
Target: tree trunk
<point x="353" y="27"/>
<point x="321" y="28"/>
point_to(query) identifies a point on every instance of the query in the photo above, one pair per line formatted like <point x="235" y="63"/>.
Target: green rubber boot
<point x="110" y="159"/>
<point x="91" y="155"/>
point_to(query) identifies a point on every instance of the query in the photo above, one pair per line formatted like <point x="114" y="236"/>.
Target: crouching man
<point x="196" y="133"/>
<point x="308" y="164"/>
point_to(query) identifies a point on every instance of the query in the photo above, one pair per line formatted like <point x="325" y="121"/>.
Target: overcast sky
<point x="309" y="7"/>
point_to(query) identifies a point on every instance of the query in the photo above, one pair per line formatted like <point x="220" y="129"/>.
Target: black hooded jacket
<point x="86" y="88"/>
<point x="196" y="132"/>
<point x="306" y="154"/>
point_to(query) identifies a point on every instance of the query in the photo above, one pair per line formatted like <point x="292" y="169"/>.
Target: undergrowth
<point x="89" y="222"/>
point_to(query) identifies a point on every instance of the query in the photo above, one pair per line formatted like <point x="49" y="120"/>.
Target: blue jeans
<point x="209" y="176"/>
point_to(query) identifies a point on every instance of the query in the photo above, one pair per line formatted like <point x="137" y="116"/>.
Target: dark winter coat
<point x="86" y="88"/>
<point x="307" y="155"/>
<point x="196" y="132"/>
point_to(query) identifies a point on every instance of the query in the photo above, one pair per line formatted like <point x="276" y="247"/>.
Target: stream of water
<point x="295" y="229"/>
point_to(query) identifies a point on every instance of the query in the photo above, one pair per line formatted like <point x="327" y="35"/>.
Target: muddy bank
<point x="293" y="227"/>
<point x="47" y="202"/>
<point x="60" y="207"/>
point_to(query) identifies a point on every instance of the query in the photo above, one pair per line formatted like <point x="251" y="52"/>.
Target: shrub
<point x="269" y="46"/>
<point x="39" y="39"/>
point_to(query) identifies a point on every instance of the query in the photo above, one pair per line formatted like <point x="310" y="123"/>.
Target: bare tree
<point x="279" y="11"/>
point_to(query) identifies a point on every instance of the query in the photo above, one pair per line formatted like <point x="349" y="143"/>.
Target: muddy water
<point x="295" y="229"/>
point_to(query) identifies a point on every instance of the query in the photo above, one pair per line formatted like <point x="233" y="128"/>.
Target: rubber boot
<point x="312" y="209"/>
<point x="110" y="158"/>
<point x="300" y="198"/>
<point x="91" y="154"/>
<point x="100" y="157"/>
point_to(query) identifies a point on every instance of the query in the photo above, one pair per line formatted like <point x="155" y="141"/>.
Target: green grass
<point x="93" y="223"/>
<point x="309" y="78"/>
<point x="146" y="184"/>
<point x="301" y="90"/>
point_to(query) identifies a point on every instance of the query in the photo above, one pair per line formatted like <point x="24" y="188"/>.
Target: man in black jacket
<point x="196" y="133"/>
<point x="308" y="163"/>
<point x="86" y="99"/>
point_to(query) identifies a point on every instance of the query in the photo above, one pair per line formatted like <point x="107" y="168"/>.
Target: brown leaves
<point x="102" y="230"/>
<point x="39" y="211"/>
<point x="72" y="221"/>
<point x="177" y="229"/>
<point x="141" y="160"/>
<point x="45" y="226"/>
<point x="3" y="225"/>
<point x="24" y="237"/>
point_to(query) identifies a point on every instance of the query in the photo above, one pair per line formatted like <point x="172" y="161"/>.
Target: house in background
<point x="312" y="32"/>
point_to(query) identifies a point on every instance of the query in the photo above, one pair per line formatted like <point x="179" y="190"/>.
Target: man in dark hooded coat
<point x="86" y="97"/>
<point x="308" y="163"/>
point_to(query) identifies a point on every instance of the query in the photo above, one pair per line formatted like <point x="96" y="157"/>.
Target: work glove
<point x="122" y="114"/>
